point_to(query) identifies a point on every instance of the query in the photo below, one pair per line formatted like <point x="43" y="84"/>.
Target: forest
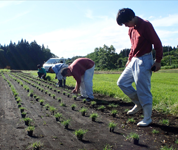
<point x="26" y="56"/>
<point x="23" y="55"/>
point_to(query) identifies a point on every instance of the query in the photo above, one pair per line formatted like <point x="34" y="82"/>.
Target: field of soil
<point x="54" y="136"/>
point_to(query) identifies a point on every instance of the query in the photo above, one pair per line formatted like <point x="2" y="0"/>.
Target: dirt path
<point x="53" y="135"/>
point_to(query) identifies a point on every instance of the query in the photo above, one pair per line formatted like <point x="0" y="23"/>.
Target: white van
<point x="51" y="62"/>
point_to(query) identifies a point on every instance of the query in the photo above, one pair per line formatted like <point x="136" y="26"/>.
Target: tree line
<point x="106" y="58"/>
<point x="26" y="56"/>
<point x="23" y="55"/>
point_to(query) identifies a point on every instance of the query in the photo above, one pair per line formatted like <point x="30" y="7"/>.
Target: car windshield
<point x="53" y="61"/>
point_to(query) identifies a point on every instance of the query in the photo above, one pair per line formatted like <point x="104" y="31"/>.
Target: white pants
<point x="138" y="71"/>
<point x="86" y="86"/>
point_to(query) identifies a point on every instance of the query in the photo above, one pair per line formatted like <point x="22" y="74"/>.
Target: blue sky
<point x="77" y="27"/>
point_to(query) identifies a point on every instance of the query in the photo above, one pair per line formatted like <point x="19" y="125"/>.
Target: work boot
<point x="60" y="83"/>
<point x="137" y="106"/>
<point x="147" y="111"/>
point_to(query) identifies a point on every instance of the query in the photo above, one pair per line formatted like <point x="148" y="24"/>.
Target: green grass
<point x="163" y="87"/>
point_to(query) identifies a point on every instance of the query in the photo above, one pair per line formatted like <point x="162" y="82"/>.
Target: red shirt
<point x="142" y="36"/>
<point x="79" y="66"/>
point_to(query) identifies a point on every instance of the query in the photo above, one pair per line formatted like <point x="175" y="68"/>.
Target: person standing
<point x="41" y="72"/>
<point x="82" y="69"/>
<point x="140" y="63"/>
<point x="56" y="69"/>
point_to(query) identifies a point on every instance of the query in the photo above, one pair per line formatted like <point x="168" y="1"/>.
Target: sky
<point x="77" y="27"/>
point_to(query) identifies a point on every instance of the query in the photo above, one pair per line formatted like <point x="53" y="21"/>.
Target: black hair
<point x="125" y="15"/>
<point x="38" y="66"/>
<point x="64" y="71"/>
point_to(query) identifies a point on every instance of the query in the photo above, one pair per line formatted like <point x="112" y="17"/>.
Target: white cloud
<point x="83" y="39"/>
<point x="89" y="14"/>
<point x="11" y="2"/>
<point x="170" y="20"/>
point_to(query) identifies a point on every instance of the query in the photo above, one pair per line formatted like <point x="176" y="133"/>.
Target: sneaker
<point x="80" y="97"/>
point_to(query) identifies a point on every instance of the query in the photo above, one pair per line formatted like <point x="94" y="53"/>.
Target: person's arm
<point x="76" y="89"/>
<point x="154" y="39"/>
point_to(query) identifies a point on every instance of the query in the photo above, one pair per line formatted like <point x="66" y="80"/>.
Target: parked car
<point x="51" y="62"/>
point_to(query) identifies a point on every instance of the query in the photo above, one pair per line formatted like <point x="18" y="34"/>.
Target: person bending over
<point x="56" y="69"/>
<point x="41" y="72"/>
<point x="82" y="69"/>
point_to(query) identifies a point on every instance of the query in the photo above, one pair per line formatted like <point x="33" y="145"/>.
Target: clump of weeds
<point x="164" y="122"/>
<point x="154" y="131"/>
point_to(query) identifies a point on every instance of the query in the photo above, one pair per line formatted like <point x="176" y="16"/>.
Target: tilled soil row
<point x="54" y="136"/>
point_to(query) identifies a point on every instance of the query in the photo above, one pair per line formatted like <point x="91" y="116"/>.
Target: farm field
<point x="52" y="134"/>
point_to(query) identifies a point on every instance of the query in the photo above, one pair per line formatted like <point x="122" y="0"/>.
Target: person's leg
<point x="142" y="77"/>
<point x="88" y="82"/>
<point x="39" y="74"/>
<point x="125" y="83"/>
<point x="82" y="88"/>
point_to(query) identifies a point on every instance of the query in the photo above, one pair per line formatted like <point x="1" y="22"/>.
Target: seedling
<point x="46" y="91"/>
<point x="34" y="95"/>
<point x="47" y="106"/>
<point x="37" y="98"/>
<point x="30" y="93"/>
<point x="23" y="114"/>
<point x="155" y="131"/>
<point x="164" y="122"/>
<point x="64" y="93"/>
<point x="79" y="133"/>
<point x="19" y="105"/>
<point x="74" y="97"/>
<point x="66" y="123"/>
<point x="59" y="99"/>
<point x="93" y="116"/>
<point x="93" y="103"/>
<point x="58" y="91"/>
<point x="134" y="137"/>
<point x="52" y="109"/>
<point x="68" y="94"/>
<point x="41" y="101"/>
<point x="53" y="96"/>
<point x="84" y="100"/>
<point x="107" y="147"/>
<point x="112" y="126"/>
<point x="27" y="121"/>
<point x="22" y="109"/>
<point x="30" y="130"/>
<point x="112" y="105"/>
<point x="131" y="120"/>
<point x="102" y="108"/>
<point x="49" y="93"/>
<point x="83" y="111"/>
<point x="126" y="110"/>
<point x="62" y="104"/>
<point x="18" y="100"/>
<point x="167" y="148"/>
<point x="36" y="145"/>
<point x="114" y="112"/>
<point x="58" y="116"/>
<point x="73" y="106"/>
<point x="50" y="88"/>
